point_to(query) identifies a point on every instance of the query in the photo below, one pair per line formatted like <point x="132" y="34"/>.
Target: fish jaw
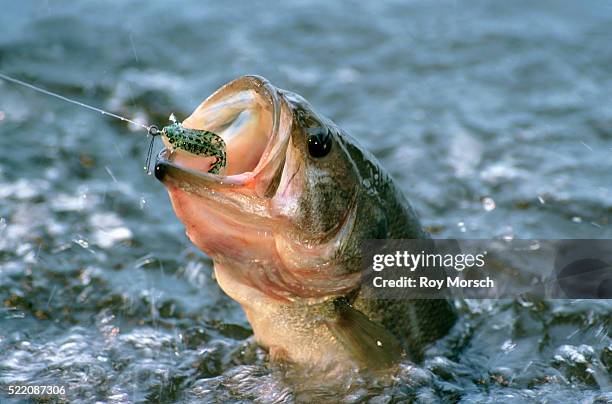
<point x="245" y="219"/>
<point x="252" y="236"/>
<point x="226" y="214"/>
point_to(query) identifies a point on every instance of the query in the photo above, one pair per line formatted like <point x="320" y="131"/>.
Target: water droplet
<point x="542" y="201"/>
<point x="108" y="170"/>
<point x="508" y="346"/>
<point x="461" y="226"/>
<point x="587" y="146"/>
<point x="577" y="219"/>
<point x="83" y="243"/>
<point x="143" y="203"/>
<point x="488" y="203"/>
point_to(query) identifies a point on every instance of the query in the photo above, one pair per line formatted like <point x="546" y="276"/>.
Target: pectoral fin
<point x="371" y="344"/>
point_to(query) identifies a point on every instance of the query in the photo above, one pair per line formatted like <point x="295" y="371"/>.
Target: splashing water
<point x="142" y="318"/>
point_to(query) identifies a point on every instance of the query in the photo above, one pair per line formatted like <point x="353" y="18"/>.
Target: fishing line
<point x="151" y="129"/>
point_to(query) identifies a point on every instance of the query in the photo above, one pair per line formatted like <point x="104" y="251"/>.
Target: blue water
<point x="494" y="117"/>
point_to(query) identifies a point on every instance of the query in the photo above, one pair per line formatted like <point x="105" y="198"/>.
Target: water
<point x="495" y="118"/>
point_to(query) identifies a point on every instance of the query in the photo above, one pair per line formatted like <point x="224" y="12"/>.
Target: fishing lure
<point x="198" y="142"/>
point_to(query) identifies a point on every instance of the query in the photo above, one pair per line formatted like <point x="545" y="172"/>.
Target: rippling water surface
<point x="495" y="118"/>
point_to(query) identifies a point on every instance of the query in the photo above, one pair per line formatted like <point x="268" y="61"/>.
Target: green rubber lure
<point x="198" y="142"/>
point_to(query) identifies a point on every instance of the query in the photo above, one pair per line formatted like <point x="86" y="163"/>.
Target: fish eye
<point x="319" y="142"/>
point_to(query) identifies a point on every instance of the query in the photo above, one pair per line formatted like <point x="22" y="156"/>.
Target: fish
<point x="284" y="225"/>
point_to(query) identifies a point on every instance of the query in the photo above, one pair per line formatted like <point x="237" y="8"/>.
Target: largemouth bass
<point x="284" y="224"/>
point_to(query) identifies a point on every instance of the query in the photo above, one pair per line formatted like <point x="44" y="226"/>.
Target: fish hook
<point x="154" y="132"/>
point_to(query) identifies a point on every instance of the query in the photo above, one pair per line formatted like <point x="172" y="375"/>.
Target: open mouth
<point x="243" y="217"/>
<point x="246" y="114"/>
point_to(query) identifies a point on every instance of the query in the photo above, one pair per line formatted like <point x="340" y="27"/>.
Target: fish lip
<point x="168" y="171"/>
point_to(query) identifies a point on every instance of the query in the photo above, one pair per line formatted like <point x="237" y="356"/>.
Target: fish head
<point x="285" y="217"/>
